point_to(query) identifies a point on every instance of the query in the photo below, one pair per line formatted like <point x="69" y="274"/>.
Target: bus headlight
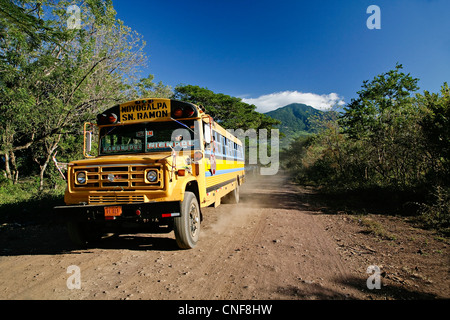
<point x="81" y="177"/>
<point x="152" y="176"/>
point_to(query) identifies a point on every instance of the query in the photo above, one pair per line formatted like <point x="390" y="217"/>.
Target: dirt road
<point x="276" y="244"/>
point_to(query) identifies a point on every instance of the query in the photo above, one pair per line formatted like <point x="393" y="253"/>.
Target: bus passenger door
<point x="210" y="148"/>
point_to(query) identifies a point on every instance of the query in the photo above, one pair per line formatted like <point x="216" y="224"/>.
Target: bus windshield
<point x="149" y="137"/>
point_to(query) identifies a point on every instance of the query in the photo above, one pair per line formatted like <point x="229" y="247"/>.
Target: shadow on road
<point x="278" y="192"/>
<point x="387" y="291"/>
<point x="138" y="242"/>
<point x="53" y="239"/>
<point x="317" y="291"/>
<point x="32" y="228"/>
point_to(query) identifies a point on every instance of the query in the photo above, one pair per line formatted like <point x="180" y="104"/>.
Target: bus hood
<point x="124" y="159"/>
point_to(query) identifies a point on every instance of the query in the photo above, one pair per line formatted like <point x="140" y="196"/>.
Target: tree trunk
<point x="7" y="167"/>
<point x="44" y="166"/>
<point x="15" y="170"/>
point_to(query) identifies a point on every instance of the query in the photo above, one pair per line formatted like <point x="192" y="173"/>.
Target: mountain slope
<point x="295" y="121"/>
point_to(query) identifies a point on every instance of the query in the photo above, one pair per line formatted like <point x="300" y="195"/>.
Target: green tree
<point x="51" y="85"/>
<point x="23" y="35"/>
<point x="382" y="102"/>
<point x="229" y="111"/>
<point x="146" y="88"/>
<point x="435" y="124"/>
<point x="385" y="120"/>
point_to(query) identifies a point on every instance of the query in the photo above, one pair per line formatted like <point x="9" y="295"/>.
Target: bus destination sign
<point x="144" y="110"/>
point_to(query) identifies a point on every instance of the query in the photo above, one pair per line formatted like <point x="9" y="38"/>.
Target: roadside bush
<point x="387" y="144"/>
<point x="436" y="214"/>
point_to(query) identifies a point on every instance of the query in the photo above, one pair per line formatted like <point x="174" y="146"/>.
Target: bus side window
<point x="225" y="146"/>
<point x="204" y="138"/>
<point x="218" y="143"/>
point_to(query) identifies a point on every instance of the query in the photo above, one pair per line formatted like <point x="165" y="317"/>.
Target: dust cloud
<point x="227" y="217"/>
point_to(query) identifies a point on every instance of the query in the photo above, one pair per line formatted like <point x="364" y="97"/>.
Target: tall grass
<point x="23" y="203"/>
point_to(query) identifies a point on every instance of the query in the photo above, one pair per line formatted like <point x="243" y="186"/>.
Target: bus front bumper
<point x="152" y="211"/>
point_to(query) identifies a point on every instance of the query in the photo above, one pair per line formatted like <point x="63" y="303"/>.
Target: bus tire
<point x="187" y="226"/>
<point x="233" y="196"/>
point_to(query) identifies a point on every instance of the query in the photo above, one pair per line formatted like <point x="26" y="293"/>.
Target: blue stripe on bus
<point x="208" y="173"/>
<point x="223" y="156"/>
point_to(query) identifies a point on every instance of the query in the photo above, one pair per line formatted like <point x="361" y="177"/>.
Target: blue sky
<point x="272" y="53"/>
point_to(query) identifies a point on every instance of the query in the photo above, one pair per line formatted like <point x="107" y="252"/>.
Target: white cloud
<point x="269" y="102"/>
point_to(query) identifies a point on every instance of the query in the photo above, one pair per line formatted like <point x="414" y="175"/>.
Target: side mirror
<point x="87" y="135"/>
<point x="207" y="133"/>
<point x="88" y="141"/>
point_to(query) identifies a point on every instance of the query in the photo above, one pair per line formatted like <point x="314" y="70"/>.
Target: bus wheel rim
<point x="194" y="220"/>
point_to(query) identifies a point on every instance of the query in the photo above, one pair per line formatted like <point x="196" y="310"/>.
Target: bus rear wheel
<point x="233" y="196"/>
<point x="187" y="226"/>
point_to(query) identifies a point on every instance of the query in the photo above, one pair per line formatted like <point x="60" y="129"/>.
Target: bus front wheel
<point x="187" y="226"/>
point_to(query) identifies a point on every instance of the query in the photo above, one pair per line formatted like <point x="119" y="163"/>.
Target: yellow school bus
<point x="159" y="162"/>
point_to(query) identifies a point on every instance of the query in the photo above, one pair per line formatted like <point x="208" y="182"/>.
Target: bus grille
<point x="115" y="199"/>
<point x="119" y="177"/>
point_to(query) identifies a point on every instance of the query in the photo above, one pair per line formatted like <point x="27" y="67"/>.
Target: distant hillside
<point x="295" y="120"/>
